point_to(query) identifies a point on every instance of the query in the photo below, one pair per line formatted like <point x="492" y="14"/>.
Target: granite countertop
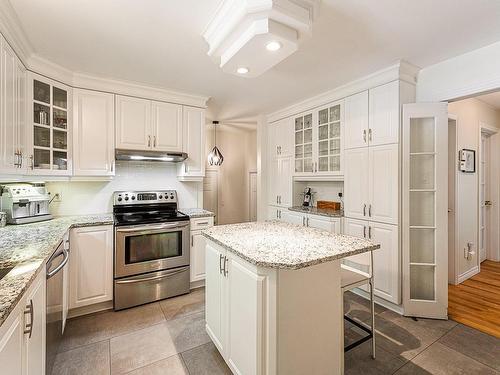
<point x="196" y="212"/>
<point x="26" y="247"/>
<point x="318" y="211"/>
<point x="275" y="244"/>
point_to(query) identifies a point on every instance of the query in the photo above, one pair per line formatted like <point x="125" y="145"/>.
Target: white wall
<point x="238" y="146"/>
<point x="79" y="198"/>
<point x="470" y="114"/>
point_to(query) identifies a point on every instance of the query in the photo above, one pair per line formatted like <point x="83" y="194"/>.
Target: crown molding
<point x="402" y="71"/>
<point x="13" y="33"/>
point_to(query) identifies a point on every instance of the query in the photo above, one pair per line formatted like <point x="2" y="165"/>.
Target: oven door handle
<point x="151" y="227"/>
<point x="159" y="277"/>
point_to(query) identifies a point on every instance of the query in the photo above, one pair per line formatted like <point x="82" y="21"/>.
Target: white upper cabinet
<point x="50" y="135"/>
<point x="167" y="127"/>
<point x="193" y="168"/>
<point x="384" y="114"/>
<point x="280" y="182"/>
<point x="303" y="142"/>
<point x="356" y="190"/>
<point x="133" y="123"/>
<point x="356" y="120"/>
<point x="93" y="135"/>
<point x="280" y="138"/>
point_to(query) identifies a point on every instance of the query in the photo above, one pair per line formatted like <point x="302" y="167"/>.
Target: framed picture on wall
<point x="467" y="160"/>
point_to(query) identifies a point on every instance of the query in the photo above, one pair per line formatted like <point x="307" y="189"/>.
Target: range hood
<point x="161" y="156"/>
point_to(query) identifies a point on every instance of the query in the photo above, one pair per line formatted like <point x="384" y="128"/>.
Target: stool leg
<point x="342" y="327"/>
<point x="372" y="305"/>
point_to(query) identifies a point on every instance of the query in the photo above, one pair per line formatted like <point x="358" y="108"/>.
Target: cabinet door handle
<point x="303" y="221"/>
<point x="364" y="231"/>
<point x="279" y="198"/>
<point x="32" y="166"/>
<point x="370" y="134"/>
<point x="220" y="263"/>
<point x="364" y="209"/>
<point x="370" y="232"/>
<point x="370" y="210"/>
<point x="154" y="141"/>
<point x="29" y="310"/>
<point x="225" y="267"/>
<point x="149" y="141"/>
<point x="364" y="135"/>
<point x="192" y="240"/>
<point x="280" y="214"/>
<point x="20" y="159"/>
<point x="307" y="221"/>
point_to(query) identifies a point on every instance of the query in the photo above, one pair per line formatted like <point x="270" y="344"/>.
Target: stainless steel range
<point x="151" y="247"/>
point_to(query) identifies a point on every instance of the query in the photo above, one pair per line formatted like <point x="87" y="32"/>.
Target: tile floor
<point x="169" y="338"/>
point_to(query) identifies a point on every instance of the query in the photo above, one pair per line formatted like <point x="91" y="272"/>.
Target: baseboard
<point x="379" y="301"/>
<point x="197" y="284"/>
<point x="466" y="275"/>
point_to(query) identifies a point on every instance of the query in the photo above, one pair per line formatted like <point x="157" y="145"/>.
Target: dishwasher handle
<point x="63" y="252"/>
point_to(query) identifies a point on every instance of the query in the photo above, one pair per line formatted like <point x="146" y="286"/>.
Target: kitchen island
<point x="273" y="296"/>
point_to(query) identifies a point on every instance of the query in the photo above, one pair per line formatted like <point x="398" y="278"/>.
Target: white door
<point x="297" y="218"/>
<point x="356" y="120"/>
<point x="35" y="342"/>
<point x="213" y="295"/>
<point x="252" y="211"/>
<point x="483" y="196"/>
<point x="273" y="182"/>
<point x="197" y="255"/>
<point x="193" y="140"/>
<point x="384" y="114"/>
<point x="285" y="182"/>
<point x="210" y="191"/>
<point x="284" y="134"/>
<point x="356" y="186"/>
<point x="386" y="261"/>
<point x="93" y="135"/>
<point x="272" y="140"/>
<point x="11" y="345"/>
<point x="8" y="159"/>
<point x="167" y="126"/>
<point x="425" y="210"/>
<point x="245" y="317"/>
<point x="383" y="183"/>
<point x="133" y="123"/>
<point x="21" y="115"/>
<point x="315" y="221"/>
<point x="91" y="266"/>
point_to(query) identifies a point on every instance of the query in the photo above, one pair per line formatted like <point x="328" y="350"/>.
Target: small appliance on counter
<point x="24" y="203"/>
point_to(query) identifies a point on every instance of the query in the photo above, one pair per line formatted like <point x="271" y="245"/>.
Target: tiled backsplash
<point x="91" y="197"/>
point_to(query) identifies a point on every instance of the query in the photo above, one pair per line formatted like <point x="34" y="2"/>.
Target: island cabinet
<point x="197" y="253"/>
<point x="22" y="334"/>
<point x="273" y="321"/>
<point x="330" y="224"/>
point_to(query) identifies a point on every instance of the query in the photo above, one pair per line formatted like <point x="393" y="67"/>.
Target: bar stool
<point x="356" y="271"/>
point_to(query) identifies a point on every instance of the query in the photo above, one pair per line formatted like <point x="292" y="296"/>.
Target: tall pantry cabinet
<point x="372" y="177"/>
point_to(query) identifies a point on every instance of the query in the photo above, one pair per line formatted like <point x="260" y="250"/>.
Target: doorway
<point x="252" y="199"/>
<point x="453" y="267"/>
<point x="211" y="191"/>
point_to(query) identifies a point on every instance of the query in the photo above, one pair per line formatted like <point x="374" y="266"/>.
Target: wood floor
<point x="476" y="302"/>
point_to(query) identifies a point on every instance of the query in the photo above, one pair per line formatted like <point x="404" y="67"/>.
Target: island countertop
<point x="26" y="247"/>
<point x="275" y="244"/>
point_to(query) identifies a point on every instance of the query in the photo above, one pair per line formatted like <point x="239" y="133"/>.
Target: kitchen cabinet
<point x="22" y="334"/>
<point x="12" y="111"/>
<point x="193" y="168"/>
<point x="197" y="253"/>
<point x="330" y="224"/>
<point x="91" y="266"/>
<point x="318" y="141"/>
<point x="372" y="183"/>
<point x="280" y="138"/>
<point x="133" y="123"/>
<point x="234" y="309"/>
<point x="93" y="135"/>
<point x="167" y="127"/>
<point x="280" y="182"/>
<point x="356" y="120"/>
<point x="50" y="134"/>
<point x="277" y="213"/>
<point x="386" y="260"/>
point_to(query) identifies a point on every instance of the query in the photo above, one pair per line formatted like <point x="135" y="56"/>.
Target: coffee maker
<point x="25" y="203"/>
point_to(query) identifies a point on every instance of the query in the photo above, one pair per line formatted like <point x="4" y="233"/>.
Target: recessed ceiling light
<point x="242" y="70"/>
<point x="273" y="46"/>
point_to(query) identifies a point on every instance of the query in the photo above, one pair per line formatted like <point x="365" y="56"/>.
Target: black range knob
<point x="133" y="197"/>
<point x="126" y="198"/>
<point x="161" y="197"/>
<point x="119" y="199"/>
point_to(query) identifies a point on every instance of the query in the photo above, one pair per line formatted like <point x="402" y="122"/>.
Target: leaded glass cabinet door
<point x="304" y="144"/>
<point x="50" y="136"/>
<point x="329" y="139"/>
<point x="425" y="207"/>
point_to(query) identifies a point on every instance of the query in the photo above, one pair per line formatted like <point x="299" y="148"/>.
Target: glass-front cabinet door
<point x="304" y="144"/>
<point x="51" y="131"/>
<point x="329" y="140"/>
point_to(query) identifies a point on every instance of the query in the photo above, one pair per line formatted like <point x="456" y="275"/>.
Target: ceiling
<point x="492" y="99"/>
<point x="160" y="43"/>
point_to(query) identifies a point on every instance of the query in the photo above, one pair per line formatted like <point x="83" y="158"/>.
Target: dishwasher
<point x="55" y="313"/>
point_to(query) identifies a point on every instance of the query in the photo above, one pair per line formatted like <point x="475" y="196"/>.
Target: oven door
<point x="151" y="247"/>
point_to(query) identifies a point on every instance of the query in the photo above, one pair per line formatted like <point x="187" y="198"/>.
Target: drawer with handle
<point x="202" y="223"/>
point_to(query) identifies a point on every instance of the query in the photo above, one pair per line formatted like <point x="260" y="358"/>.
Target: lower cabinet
<point x="234" y="310"/>
<point x="22" y="335"/>
<point x="91" y="266"/>
<point x="330" y="224"/>
<point x="386" y="260"/>
<point x="277" y="213"/>
<point x="197" y="251"/>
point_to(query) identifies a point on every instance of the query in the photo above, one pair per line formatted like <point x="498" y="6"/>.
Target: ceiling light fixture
<point x="273" y="46"/>
<point x="242" y="70"/>
<point x="215" y="157"/>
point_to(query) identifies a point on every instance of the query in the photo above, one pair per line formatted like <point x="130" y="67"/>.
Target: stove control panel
<point x="144" y="197"/>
